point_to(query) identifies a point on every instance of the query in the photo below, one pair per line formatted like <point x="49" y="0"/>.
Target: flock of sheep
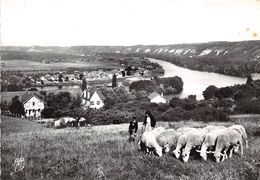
<point x="216" y="140"/>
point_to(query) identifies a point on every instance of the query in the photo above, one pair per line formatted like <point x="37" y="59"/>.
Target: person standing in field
<point x="133" y="127"/>
<point x="149" y="121"/>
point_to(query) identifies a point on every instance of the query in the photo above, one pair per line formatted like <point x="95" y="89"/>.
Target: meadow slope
<point x="102" y="152"/>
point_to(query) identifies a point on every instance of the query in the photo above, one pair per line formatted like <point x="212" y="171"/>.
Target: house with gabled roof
<point x="155" y="97"/>
<point x="92" y="98"/>
<point x="33" y="105"/>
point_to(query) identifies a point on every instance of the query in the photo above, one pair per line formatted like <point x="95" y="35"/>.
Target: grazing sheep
<point x="210" y="140"/>
<point x="226" y="140"/>
<point x="242" y="131"/>
<point x="182" y="140"/>
<point x="167" y="139"/>
<point x="148" y="140"/>
<point x="195" y="139"/>
<point x="156" y="131"/>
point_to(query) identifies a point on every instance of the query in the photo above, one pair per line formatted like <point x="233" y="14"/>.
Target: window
<point x="98" y="102"/>
<point x="91" y="102"/>
<point x="33" y="103"/>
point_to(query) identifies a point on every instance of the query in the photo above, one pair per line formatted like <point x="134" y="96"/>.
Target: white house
<point x="92" y="98"/>
<point x="157" y="98"/>
<point x="33" y="105"/>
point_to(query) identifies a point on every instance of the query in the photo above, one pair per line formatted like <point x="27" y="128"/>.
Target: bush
<point x="208" y="114"/>
<point x="174" y="82"/>
<point x="249" y="106"/>
<point x="48" y="112"/>
<point x="143" y="85"/>
<point x="210" y="92"/>
<point x="33" y="89"/>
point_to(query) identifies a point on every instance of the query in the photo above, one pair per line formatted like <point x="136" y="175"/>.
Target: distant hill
<point x="232" y="58"/>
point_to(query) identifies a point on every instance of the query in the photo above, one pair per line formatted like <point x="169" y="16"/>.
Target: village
<point x="92" y="88"/>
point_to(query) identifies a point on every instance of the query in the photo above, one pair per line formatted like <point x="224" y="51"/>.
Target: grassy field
<point x="26" y="65"/>
<point x="7" y="96"/>
<point x="102" y="152"/>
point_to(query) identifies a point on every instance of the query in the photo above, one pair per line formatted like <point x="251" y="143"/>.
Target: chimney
<point x="162" y="94"/>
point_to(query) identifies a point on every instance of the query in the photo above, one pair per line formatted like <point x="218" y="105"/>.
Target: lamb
<point x="242" y="131"/>
<point x="148" y="140"/>
<point x="182" y="140"/>
<point x="195" y="139"/>
<point x="209" y="141"/>
<point x="167" y="139"/>
<point x="231" y="138"/>
<point x="156" y="132"/>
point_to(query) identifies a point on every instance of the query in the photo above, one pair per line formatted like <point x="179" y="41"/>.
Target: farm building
<point x="33" y="105"/>
<point x="92" y="98"/>
<point x="157" y="98"/>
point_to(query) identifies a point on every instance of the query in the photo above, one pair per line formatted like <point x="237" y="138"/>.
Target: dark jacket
<point x="133" y="126"/>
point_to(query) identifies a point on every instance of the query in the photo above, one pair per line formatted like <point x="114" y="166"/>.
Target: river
<point x="195" y="82"/>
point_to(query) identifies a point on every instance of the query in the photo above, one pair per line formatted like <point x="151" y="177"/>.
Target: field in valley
<point x="26" y="65"/>
<point x="102" y="152"/>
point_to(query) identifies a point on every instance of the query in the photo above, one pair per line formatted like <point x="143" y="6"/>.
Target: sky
<point x="127" y="22"/>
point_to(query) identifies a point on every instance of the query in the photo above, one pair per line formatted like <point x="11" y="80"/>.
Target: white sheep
<point x="210" y="140"/>
<point x="242" y="131"/>
<point x="156" y="131"/>
<point x="148" y="140"/>
<point x="195" y="139"/>
<point x="226" y="140"/>
<point x="182" y="140"/>
<point x="167" y="139"/>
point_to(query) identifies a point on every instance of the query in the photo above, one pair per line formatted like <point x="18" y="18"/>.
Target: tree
<point x="210" y="92"/>
<point x="145" y="85"/>
<point x="81" y="76"/>
<point x="123" y="73"/>
<point x="60" y="77"/>
<point x="225" y="92"/>
<point x="33" y="89"/>
<point x="76" y="102"/>
<point x="17" y="106"/>
<point x="175" y="102"/>
<point x="84" y="84"/>
<point x="48" y="112"/>
<point x="109" y="102"/>
<point x="114" y="81"/>
<point x="249" y="80"/>
<point x="175" y="82"/>
<point x="128" y="70"/>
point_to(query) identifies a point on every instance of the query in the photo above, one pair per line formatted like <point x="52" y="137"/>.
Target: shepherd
<point x="133" y="126"/>
<point x="149" y="121"/>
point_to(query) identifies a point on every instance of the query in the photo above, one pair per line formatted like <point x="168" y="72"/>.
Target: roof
<point x="100" y="95"/>
<point x="27" y="96"/>
<point x="92" y="91"/>
<point x="155" y="94"/>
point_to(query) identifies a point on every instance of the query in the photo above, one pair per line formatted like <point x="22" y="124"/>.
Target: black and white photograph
<point x="130" y="89"/>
